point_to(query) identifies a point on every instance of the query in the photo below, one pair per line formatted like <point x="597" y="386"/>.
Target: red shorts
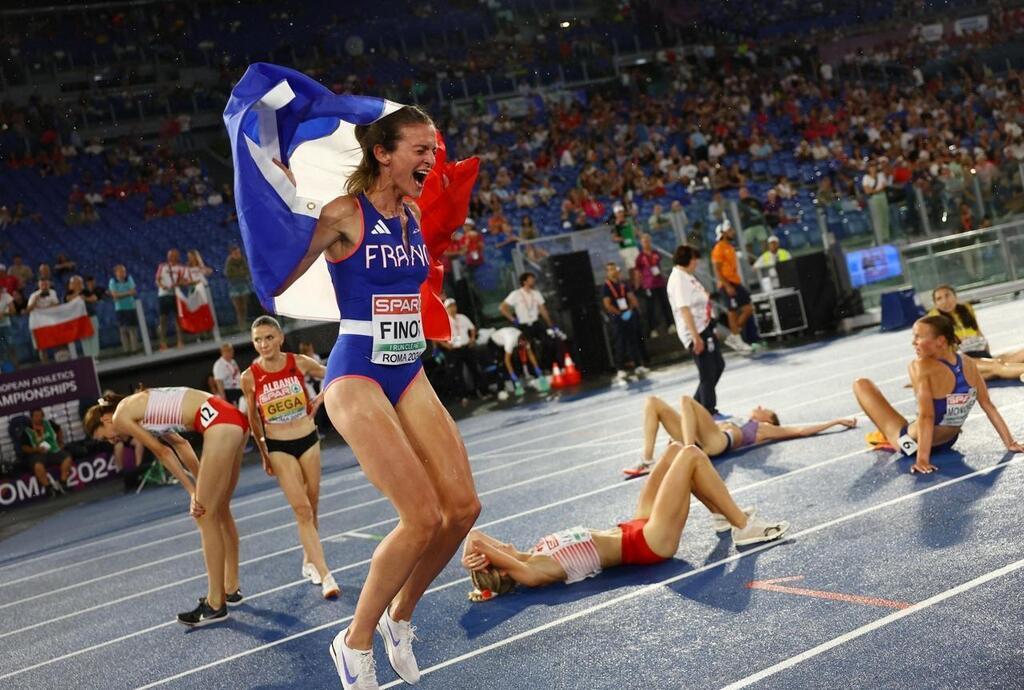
<point x="218" y="411"/>
<point x="635" y="550"/>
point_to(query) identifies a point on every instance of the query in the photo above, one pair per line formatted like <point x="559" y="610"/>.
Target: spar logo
<point x="393" y="305"/>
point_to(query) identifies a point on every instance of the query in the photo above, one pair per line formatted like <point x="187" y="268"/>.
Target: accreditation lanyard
<point x="620" y="299"/>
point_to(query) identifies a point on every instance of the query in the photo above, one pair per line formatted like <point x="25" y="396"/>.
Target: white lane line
<point x="497" y="521"/>
<point x="875" y="625"/>
<point x="62" y="588"/>
<point x="274" y="493"/>
<point x="380" y="499"/>
<point x="648" y="589"/>
<point x="579" y="614"/>
<point x="611" y="487"/>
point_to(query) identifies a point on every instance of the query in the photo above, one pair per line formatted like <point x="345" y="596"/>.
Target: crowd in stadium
<point x="670" y="147"/>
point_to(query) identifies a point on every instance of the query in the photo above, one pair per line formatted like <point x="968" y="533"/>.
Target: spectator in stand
<point x="170" y="275"/>
<point x="45" y="273"/>
<point x="42" y="447"/>
<point x="730" y="286"/>
<point x="20" y="302"/>
<point x="227" y="376"/>
<point x="5" y="217"/>
<point x="546" y="192"/>
<point x="677" y="216"/>
<point x="236" y="270"/>
<point x="651" y="282"/>
<point x="19" y="270"/>
<point x="773" y="255"/>
<point x="507" y="241"/>
<point x="77" y="290"/>
<point x="624" y="234"/>
<point x="43" y="298"/>
<point x="89" y="214"/>
<point x="658" y="220"/>
<point x="874" y="183"/>
<point x="62" y="267"/>
<point x="623" y="311"/>
<point x="8" y="282"/>
<point x="534" y="252"/>
<point x="151" y="210"/>
<point x="525" y="308"/>
<point x="197" y="272"/>
<point x="74" y="216"/>
<point x="7" y="310"/>
<point x="98" y="290"/>
<point x="122" y="290"/>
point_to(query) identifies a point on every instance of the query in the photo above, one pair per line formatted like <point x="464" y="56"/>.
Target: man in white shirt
<point x="525" y="308"/>
<point x="510" y="339"/>
<point x="227" y="375"/>
<point x="43" y="298"/>
<point x="170" y="275"/>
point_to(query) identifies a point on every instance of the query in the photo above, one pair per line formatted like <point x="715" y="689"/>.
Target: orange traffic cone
<point x="557" y="380"/>
<point x="572" y="374"/>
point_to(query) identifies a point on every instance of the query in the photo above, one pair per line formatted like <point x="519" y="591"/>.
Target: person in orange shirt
<point x="730" y="285"/>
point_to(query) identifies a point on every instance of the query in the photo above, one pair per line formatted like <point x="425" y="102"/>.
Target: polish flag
<point x="60" y="325"/>
<point x="194" y="312"/>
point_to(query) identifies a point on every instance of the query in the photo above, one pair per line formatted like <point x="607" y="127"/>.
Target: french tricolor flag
<point x="278" y="113"/>
<point x="194" y="312"/>
<point x="60" y="325"/>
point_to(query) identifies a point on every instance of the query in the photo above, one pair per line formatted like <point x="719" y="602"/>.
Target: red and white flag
<point x="60" y="325"/>
<point x="194" y="312"/>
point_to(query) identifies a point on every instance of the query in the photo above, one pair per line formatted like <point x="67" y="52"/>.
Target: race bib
<point x="958" y="406"/>
<point x="397" y="330"/>
<point x="622" y="304"/>
<point x="908" y="446"/>
<point x="207" y="413"/>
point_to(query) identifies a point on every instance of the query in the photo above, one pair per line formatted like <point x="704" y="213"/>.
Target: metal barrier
<point x="986" y="258"/>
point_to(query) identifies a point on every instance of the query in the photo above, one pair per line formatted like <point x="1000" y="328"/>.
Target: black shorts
<point x="740" y="299"/>
<point x="52" y="459"/>
<point x="233" y="395"/>
<point x="295" y="447"/>
<point x="126" y="317"/>
<point x="168" y="305"/>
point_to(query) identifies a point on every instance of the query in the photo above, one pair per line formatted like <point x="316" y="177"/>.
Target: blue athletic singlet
<point x="378" y="291"/>
<point x="952" y="409"/>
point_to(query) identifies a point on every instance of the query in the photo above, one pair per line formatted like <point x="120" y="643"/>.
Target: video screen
<point x="873" y="265"/>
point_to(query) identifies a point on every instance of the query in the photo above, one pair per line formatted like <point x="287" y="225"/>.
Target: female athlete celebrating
<point x="279" y="409"/>
<point x="652" y="536"/>
<point x="156" y="417"/>
<point x="694" y="424"/>
<point x="946" y="384"/>
<point x="376" y="394"/>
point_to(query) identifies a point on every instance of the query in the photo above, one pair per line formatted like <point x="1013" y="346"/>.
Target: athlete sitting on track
<point x="652" y="536"/>
<point x="696" y="425"/>
<point x="156" y="417"/>
<point x="946" y="385"/>
<point x="972" y="341"/>
<point x="279" y="408"/>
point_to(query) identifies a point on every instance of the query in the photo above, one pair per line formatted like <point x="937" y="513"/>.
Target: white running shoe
<point x="758" y="530"/>
<point x="309" y="572"/>
<point x="641" y="370"/>
<point x="398" y="637"/>
<point x="734" y="341"/>
<point x="720" y="524"/>
<point x="356" y="669"/>
<point x="329" y="587"/>
<point x="621" y="378"/>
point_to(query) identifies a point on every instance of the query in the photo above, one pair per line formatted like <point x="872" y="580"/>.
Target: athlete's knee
<point x="862" y="385"/>
<point x="687" y="401"/>
<point x="691" y="456"/>
<point x="652" y="402"/>
<point x="303" y="513"/>
<point x="461" y="517"/>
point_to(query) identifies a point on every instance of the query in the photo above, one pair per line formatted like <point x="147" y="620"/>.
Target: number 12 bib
<point x="397" y="330"/>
